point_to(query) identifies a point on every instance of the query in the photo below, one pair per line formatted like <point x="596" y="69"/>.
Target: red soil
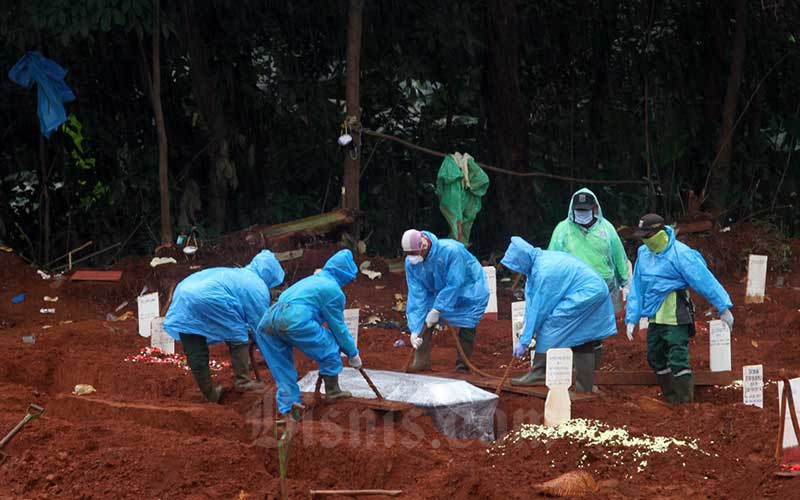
<point x="145" y="433"/>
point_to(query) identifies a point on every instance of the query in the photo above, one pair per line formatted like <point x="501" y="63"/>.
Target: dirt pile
<point x="146" y="434"/>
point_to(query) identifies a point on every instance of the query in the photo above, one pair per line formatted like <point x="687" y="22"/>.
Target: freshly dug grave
<point x="145" y="433"/>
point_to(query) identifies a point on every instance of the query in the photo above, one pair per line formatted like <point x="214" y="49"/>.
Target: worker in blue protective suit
<point x="51" y="90"/>
<point x="665" y="270"/>
<point x="444" y="281"/>
<point x="567" y="304"/>
<point x="222" y="304"/>
<point x="297" y="320"/>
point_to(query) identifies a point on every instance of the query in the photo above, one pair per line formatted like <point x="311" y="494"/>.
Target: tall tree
<point x="221" y="169"/>
<point x="154" y="86"/>
<point x="717" y="185"/>
<point x="352" y="161"/>
<point x="506" y="122"/>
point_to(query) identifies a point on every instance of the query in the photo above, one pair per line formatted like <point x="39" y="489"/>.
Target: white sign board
<point x="351" y="320"/>
<point x="789" y="438"/>
<point x="719" y="340"/>
<point x="159" y="338"/>
<point x="756" y="279"/>
<point x="517" y="321"/>
<point x="559" y="368"/>
<point x="753" y="385"/>
<point x="148" y="309"/>
<point x="491" y="282"/>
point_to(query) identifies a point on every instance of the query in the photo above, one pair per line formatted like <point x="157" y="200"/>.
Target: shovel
<point x="33" y="412"/>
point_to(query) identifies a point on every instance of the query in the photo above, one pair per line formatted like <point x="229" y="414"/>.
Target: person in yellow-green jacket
<point x="587" y="235"/>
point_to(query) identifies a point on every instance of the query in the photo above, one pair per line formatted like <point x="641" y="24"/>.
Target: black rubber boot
<point x="196" y="350"/>
<point x="332" y="390"/>
<point x="537" y="374"/>
<point x="466" y="336"/>
<point x="667" y="389"/>
<point x="422" y="356"/>
<point x="584" y="371"/>
<point x="684" y="389"/>
<point x="240" y="363"/>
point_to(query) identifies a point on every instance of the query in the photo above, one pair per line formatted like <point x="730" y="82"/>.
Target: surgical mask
<point x="658" y="242"/>
<point x="583" y="216"/>
<point x="414" y="259"/>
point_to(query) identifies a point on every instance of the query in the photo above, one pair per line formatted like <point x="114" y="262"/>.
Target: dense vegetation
<point x="698" y="100"/>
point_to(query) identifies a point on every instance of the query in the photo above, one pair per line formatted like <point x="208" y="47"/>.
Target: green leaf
<point x="105" y="21"/>
<point x="119" y="19"/>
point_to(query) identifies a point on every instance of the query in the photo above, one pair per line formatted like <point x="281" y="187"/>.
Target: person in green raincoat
<point x="587" y="235"/>
<point x="460" y="185"/>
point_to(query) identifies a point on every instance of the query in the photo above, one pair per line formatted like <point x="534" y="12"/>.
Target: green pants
<point x="668" y="349"/>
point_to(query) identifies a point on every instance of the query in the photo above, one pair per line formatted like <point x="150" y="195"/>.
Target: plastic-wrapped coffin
<point x="459" y="409"/>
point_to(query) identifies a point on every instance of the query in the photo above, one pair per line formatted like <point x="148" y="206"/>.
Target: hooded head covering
<point x="587" y="196"/>
<point x="341" y="267"/>
<point x="267" y="267"/>
<point x="520" y="256"/>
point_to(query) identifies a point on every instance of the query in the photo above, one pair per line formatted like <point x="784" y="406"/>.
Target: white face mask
<point x="414" y="259"/>
<point x="583" y="216"/>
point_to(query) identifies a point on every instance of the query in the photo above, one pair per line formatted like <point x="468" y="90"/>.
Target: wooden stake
<point x="505" y="376"/>
<point x="371" y="385"/>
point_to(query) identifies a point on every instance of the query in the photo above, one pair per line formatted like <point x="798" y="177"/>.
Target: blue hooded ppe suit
<point x="296" y="320"/>
<point x="222" y="304"/>
<point x="450" y="280"/>
<point x="567" y="304"/>
<point x="51" y="90"/>
<point x="677" y="267"/>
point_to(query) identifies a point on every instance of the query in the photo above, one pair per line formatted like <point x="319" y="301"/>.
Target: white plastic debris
<point x="47" y="310"/>
<point x="43" y="274"/>
<point x="366" y="271"/>
<point x="50" y="299"/>
<point x="82" y="389"/>
<point x="158" y="261"/>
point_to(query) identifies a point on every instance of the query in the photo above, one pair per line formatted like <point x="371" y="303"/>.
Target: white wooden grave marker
<point x="753" y="385"/>
<point x="719" y="340"/>
<point x="148" y="309"/>
<point x="517" y="321"/>
<point x="491" y="282"/>
<point x="558" y="378"/>
<point x="756" y="279"/>
<point x="351" y="319"/>
<point x="159" y="338"/>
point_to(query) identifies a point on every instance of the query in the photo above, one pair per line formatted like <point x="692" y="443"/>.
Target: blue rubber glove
<point x="520" y="350"/>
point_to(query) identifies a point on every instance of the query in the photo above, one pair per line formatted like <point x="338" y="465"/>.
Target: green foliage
<point x="278" y="68"/>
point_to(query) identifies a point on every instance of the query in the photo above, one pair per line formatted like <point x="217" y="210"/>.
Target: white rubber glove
<point x="416" y="340"/>
<point x="727" y="317"/>
<point x="355" y="361"/>
<point x="432" y="318"/>
<point x="629" y="331"/>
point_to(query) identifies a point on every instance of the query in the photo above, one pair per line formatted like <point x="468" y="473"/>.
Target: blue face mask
<point x="583" y="216"/>
<point x="414" y="259"/>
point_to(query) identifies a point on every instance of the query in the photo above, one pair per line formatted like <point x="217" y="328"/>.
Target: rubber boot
<point x="211" y="392"/>
<point x="240" y="362"/>
<point x="196" y="349"/>
<point x="584" y="371"/>
<point x="667" y="388"/>
<point x="332" y="390"/>
<point x="684" y="389"/>
<point x="537" y="374"/>
<point x="466" y="336"/>
<point x="422" y="356"/>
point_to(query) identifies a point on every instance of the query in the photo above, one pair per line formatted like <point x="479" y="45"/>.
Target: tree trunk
<point x="44" y="202"/>
<point x="712" y="62"/>
<point x="718" y="186"/>
<point x="506" y="122"/>
<point x="352" y="161"/>
<point x="155" y="95"/>
<point x="222" y="172"/>
<point x="602" y="38"/>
